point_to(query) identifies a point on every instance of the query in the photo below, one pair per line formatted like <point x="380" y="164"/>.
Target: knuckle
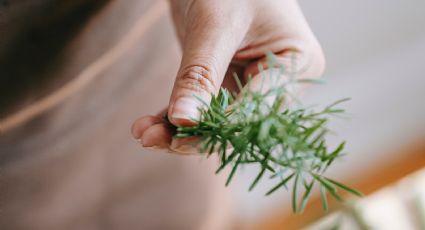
<point x="315" y="56"/>
<point x="203" y="14"/>
<point x="197" y="78"/>
<point x="306" y="58"/>
<point x="214" y="19"/>
<point x="320" y="61"/>
<point x="315" y="61"/>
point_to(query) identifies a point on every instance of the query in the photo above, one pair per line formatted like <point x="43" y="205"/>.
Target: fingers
<point x="142" y="124"/>
<point x="210" y="42"/>
<point x="157" y="135"/>
<point x="290" y="64"/>
<point x="154" y="132"/>
<point x="264" y="75"/>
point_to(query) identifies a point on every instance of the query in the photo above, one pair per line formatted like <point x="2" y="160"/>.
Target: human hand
<point x="219" y="38"/>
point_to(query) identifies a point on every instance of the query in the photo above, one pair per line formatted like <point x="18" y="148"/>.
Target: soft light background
<point x="375" y="53"/>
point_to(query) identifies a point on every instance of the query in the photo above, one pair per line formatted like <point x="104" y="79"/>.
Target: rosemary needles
<point x="287" y="143"/>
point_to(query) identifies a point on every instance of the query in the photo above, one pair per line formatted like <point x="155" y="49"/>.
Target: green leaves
<point x="289" y="144"/>
<point x="282" y="183"/>
<point x="346" y="188"/>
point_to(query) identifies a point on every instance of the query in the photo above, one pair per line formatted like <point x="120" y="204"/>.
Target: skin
<point x="219" y="38"/>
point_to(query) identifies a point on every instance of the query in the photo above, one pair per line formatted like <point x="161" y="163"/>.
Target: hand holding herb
<point x="221" y="37"/>
<point x="259" y="127"/>
<point x="224" y="37"/>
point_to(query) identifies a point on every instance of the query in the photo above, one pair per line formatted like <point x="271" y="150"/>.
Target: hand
<point x="219" y="38"/>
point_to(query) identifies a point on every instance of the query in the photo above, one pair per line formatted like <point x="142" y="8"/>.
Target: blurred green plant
<point x="287" y="143"/>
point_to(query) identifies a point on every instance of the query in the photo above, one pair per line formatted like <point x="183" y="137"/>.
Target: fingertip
<point x="142" y="124"/>
<point x="157" y="135"/>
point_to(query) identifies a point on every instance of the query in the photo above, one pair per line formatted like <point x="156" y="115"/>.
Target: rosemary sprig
<point x="287" y="143"/>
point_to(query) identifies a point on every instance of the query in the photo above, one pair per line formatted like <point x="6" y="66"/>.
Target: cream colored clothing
<point x="75" y="165"/>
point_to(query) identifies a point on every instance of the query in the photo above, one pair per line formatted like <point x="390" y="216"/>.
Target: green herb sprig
<point x="287" y="143"/>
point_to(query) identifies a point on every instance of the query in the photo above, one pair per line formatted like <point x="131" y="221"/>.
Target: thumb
<point x="208" y="49"/>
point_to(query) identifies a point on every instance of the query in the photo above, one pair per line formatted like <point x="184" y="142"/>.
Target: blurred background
<point x="375" y="53"/>
<point x="75" y="74"/>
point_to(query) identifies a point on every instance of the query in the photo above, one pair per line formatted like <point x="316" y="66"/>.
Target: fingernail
<point x="185" y="108"/>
